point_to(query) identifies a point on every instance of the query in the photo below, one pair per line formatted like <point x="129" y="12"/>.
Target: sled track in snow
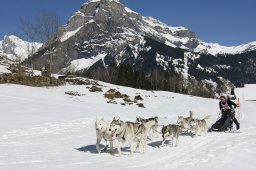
<point x="61" y="141"/>
<point x="47" y="129"/>
<point x="191" y="151"/>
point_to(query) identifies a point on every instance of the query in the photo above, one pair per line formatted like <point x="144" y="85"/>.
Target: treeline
<point x="125" y="75"/>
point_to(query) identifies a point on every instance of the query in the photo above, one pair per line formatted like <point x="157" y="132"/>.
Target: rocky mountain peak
<point x="102" y="12"/>
<point x="105" y="34"/>
<point x="112" y="17"/>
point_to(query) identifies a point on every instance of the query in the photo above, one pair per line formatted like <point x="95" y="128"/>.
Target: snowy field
<point x="44" y="128"/>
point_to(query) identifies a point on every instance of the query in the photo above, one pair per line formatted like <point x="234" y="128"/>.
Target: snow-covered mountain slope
<point x="43" y="128"/>
<point x="180" y="37"/>
<point x="16" y="49"/>
<point x="80" y="64"/>
<point x="146" y="44"/>
<point x="90" y="27"/>
<point x="214" y="48"/>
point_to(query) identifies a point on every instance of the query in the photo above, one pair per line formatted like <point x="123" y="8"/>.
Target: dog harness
<point x="122" y="133"/>
<point x="225" y="106"/>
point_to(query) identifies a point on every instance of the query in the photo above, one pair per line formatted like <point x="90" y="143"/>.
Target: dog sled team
<point x="136" y="133"/>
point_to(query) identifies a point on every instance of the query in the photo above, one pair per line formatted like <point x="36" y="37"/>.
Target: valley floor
<point x="44" y="128"/>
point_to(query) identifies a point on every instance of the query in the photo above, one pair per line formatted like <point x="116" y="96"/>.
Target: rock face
<point x="104" y="35"/>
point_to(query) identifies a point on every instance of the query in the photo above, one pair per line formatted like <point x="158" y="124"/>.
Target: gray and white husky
<point x="184" y="123"/>
<point x="102" y="132"/>
<point x="130" y="132"/>
<point x="172" y="131"/>
<point x="150" y="124"/>
<point x="199" y="126"/>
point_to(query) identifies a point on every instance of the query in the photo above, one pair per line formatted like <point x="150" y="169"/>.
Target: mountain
<point x="107" y="41"/>
<point x="13" y="48"/>
<point x="215" y="49"/>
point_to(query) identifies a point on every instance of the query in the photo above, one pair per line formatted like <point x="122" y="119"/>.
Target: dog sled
<point x="221" y="125"/>
<point x="225" y="123"/>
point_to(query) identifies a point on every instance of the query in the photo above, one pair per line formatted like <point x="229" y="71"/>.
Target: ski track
<point x="192" y="152"/>
<point x="70" y="144"/>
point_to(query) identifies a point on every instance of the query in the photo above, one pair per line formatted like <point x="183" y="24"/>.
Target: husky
<point x="130" y="132"/>
<point x="184" y="123"/>
<point x="199" y="126"/>
<point x="171" y="131"/>
<point x="102" y="131"/>
<point x="150" y="124"/>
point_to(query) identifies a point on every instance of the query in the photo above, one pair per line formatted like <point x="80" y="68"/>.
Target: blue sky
<point x="228" y="22"/>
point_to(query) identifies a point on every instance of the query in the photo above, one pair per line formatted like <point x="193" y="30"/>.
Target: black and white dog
<point x="172" y="131"/>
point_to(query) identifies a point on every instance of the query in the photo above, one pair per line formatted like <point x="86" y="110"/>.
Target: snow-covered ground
<point x="44" y="128"/>
<point x="248" y="95"/>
